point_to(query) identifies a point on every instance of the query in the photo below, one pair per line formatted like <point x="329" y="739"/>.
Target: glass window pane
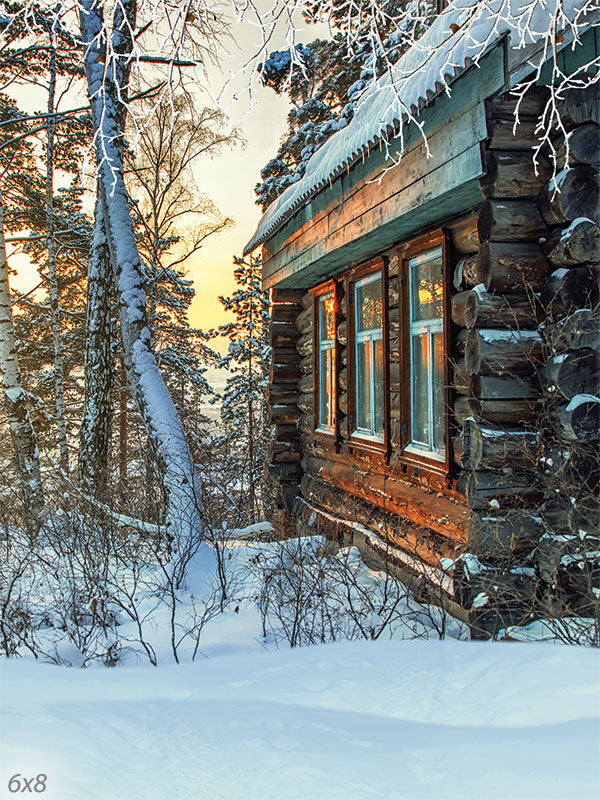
<point x="369" y="305"/>
<point x="326" y="317"/>
<point x="420" y="390"/>
<point x="378" y="347"/>
<point x="326" y="388"/>
<point x="438" y="390"/>
<point x="363" y="385"/>
<point x="426" y="285"/>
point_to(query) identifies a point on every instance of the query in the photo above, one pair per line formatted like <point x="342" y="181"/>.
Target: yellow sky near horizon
<point x="228" y="180"/>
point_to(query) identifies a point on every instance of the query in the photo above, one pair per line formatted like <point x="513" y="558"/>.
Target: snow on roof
<point x="424" y="71"/>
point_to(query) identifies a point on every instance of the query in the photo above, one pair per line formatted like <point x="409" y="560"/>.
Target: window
<point x="369" y="357"/>
<point x="425" y="279"/>
<point x="326" y="368"/>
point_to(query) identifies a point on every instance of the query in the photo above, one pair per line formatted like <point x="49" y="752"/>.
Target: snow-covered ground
<point x="409" y="719"/>
<point x="251" y="718"/>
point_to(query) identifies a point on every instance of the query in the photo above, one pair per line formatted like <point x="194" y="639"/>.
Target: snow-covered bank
<point x="385" y="719"/>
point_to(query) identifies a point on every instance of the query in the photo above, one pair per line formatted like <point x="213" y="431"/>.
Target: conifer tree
<point x="244" y="410"/>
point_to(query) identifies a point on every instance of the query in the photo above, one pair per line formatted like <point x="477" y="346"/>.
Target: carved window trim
<point x="406" y="453"/>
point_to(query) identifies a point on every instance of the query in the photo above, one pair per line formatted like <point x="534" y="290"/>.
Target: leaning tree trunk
<point x="59" y="389"/>
<point x="165" y="431"/>
<point x="21" y="429"/>
<point x="94" y="437"/>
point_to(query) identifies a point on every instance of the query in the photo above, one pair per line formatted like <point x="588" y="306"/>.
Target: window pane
<point x="326" y="317"/>
<point x="326" y="388"/>
<point x="420" y="390"/>
<point x="378" y="427"/>
<point x="426" y="285"/>
<point x="363" y="385"/>
<point x="369" y="305"/>
<point x="438" y="390"/>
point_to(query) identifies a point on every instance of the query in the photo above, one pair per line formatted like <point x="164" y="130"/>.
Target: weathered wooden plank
<point x="414" y="205"/>
<point x="411" y="502"/>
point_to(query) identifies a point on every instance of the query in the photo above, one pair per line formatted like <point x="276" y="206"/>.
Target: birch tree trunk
<point x="106" y="79"/>
<point x="59" y="391"/>
<point x="96" y="423"/>
<point x="21" y="429"/>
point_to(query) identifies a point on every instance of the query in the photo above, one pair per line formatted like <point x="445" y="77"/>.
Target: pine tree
<point x="325" y="79"/>
<point x="244" y="410"/>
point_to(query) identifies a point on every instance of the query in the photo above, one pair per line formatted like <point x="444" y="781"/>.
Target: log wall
<point x="524" y="378"/>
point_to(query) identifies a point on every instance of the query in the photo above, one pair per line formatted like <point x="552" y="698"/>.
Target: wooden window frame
<point x="329" y="436"/>
<point x="406" y="251"/>
<point x="357" y="444"/>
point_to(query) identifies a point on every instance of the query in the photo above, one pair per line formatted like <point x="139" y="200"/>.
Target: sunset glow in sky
<point x="228" y="180"/>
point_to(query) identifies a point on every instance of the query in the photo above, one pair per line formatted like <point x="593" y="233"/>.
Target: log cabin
<point x="435" y="327"/>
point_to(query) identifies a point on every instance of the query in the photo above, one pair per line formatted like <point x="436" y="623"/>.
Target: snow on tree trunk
<point x="21" y="429"/>
<point x="59" y="391"/>
<point x="94" y="438"/>
<point x="165" y="431"/>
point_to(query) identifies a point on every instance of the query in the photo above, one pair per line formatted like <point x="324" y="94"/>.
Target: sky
<point x="228" y="180"/>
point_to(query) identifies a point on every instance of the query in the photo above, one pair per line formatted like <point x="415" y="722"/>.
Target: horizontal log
<point x="282" y="393"/>
<point x="285" y="472"/>
<point x="284" y="414"/>
<point x="306" y="300"/>
<point x="465" y="238"/>
<point x="285" y="432"/>
<point x="493" y="535"/>
<point x="285" y="355"/>
<point x="510" y="267"/>
<point x="476" y="308"/>
<point x="505" y="135"/>
<point x="465" y="272"/>
<point x="343" y="402"/>
<point x="493" y="352"/>
<point x="513" y="174"/>
<point x="306" y="424"/>
<point x="283" y="334"/>
<point x="306" y="402"/>
<point x="284" y="313"/>
<point x="284" y="373"/>
<point x="579" y="329"/>
<point x="411" y="502"/>
<point x="393" y="291"/>
<point x="492" y="387"/>
<point x="485" y="447"/>
<point x="510" y="221"/>
<point x="530" y="105"/>
<point x="505" y="590"/>
<point x="394" y="322"/>
<point x="581" y="105"/>
<point x="286" y="457"/>
<point x="501" y="412"/>
<point x="584" y="516"/>
<point x="279" y="448"/>
<point x="343" y="379"/>
<point x="575" y="469"/>
<point x="568" y="374"/>
<point x="485" y="489"/>
<point x="462" y="381"/>
<point x="304" y="321"/>
<point x="514" y="387"/>
<point x="417" y="542"/>
<point x="342" y="332"/>
<point x="306" y="364"/>
<point x="583" y="144"/>
<point x="580" y="419"/>
<point x="571" y="194"/>
<point x="306" y="383"/>
<point x="293" y="296"/>
<point x="576" y="244"/>
<point x="568" y="289"/>
<point x="305" y="344"/>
